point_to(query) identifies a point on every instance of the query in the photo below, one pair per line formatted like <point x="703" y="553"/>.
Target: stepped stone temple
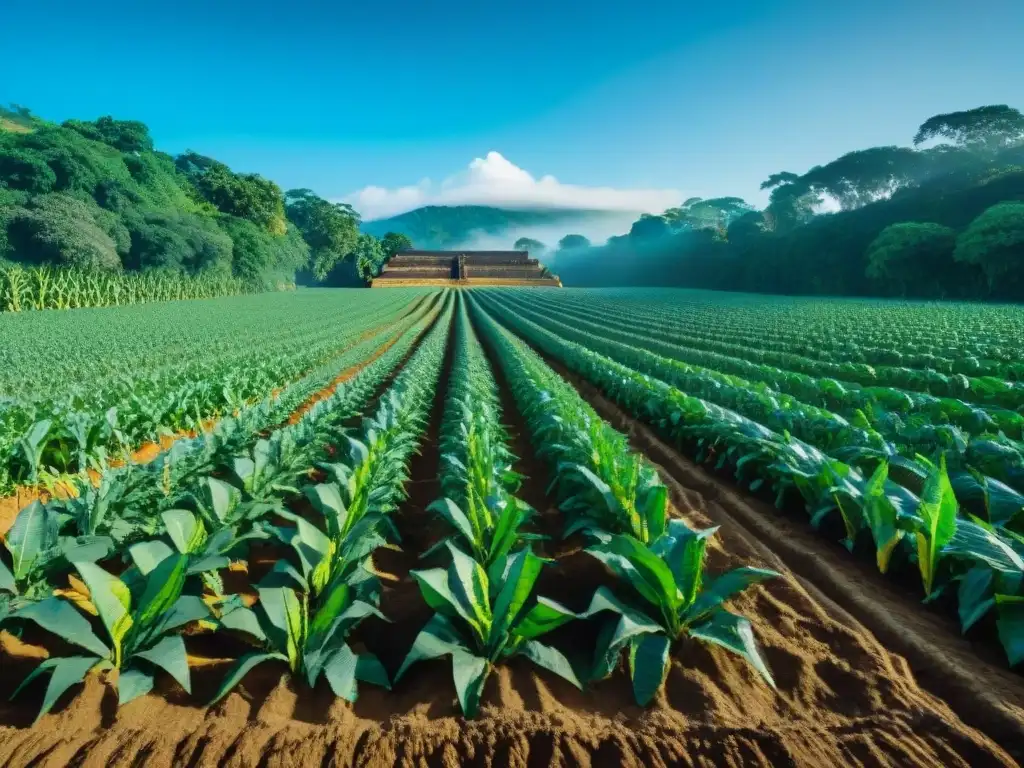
<point x="464" y="268"/>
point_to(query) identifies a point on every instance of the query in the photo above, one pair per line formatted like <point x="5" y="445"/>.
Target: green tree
<point x="393" y="242"/>
<point x="529" y="244"/>
<point x="985" y="129"/>
<point x="369" y="257"/>
<point x="178" y="240"/>
<point x="866" y="175"/>
<point x="995" y="242"/>
<point x="573" y="242"/>
<point x="246" y="196"/>
<point x="28" y="171"/>
<point x="910" y="258"/>
<point x="61" y="229"/>
<point x="649" y="227"/>
<point x="260" y="256"/>
<point x="715" y="214"/>
<point x="331" y="229"/>
<point x="122" y="135"/>
<point x="791" y="203"/>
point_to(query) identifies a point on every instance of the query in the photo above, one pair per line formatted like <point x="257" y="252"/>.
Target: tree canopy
<point x="987" y="129"/>
<point x="97" y="194"/>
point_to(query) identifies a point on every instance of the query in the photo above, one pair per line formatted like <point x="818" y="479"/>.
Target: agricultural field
<point x="512" y="527"/>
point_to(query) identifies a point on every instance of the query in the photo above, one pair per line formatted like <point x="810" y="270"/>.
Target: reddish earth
<point x="865" y="677"/>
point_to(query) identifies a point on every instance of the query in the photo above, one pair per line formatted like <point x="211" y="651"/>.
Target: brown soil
<point x="844" y="695"/>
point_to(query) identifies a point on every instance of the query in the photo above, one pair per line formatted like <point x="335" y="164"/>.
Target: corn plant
<point x="140" y="614"/>
<point x="669" y="598"/>
<point x="476" y="473"/>
<point x="309" y="637"/>
<point x="600" y="482"/>
<point x="483" y="617"/>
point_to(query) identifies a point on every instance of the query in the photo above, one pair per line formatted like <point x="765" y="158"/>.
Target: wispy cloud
<point x="494" y="180"/>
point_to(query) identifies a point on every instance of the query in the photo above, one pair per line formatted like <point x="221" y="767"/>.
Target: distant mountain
<point x="442" y="226"/>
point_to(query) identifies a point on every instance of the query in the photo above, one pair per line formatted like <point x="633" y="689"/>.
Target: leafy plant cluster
<point x="870" y="421"/>
<point x="663" y="594"/>
<point x="940" y="219"/>
<point x="484" y="602"/>
<point x="919" y="520"/>
<point x="148" y="567"/>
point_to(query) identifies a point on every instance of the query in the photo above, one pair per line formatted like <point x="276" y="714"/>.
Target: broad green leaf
<point x="433" y="585"/>
<point x="439" y="637"/>
<point x="655" y="511"/>
<point x="185" y="610"/>
<point x="340" y="671"/>
<point x="1011" y="626"/>
<point x="132" y="683"/>
<point x="882" y="517"/>
<point x="163" y="587"/>
<point x="148" y="554"/>
<point x="655" y="573"/>
<point x="241" y="668"/>
<point x="736" y="634"/>
<point x="327" y="499"/>
<point x="112" y="599"/>
<point x="975" y="596"/>
<point x="938" y="510"/>
<point x="545" y="616"/>
<point x="242" y="619"/>
<point x="519" y="580"/>
<point x="725" y="587"/>
<point x="34" y="532"/>
<point x="7" y="580"/>
<point x="370" y="670"/>
<point x="65" y="671"/>
<point x="222" y="497"/>
<point x="550" y="659"/>
<point x="170" y="655"/>
<point x="685" y="558"/>
<point x="648" y="665"/>
<point x="184" y="529"/>
<point x="467" y="581"/>
<point x="456" y="518"/>
<point x="470" y="675"/>
<point x="60" y="617"/>
<point x="977" y="540"/>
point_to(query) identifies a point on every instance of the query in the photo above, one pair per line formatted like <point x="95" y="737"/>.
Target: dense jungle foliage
<point x="97" y="195"/>
<point x="941" y="219"/>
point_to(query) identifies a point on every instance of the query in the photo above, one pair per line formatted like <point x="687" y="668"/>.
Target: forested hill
<point x="98" y="195"/>
<point x="943" y="218"/>
<point x="441" y="226"/>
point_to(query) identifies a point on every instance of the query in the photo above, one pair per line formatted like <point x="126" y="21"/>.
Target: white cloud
<point x="494" y="180"/>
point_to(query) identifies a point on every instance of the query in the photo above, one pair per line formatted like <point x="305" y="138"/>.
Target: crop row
<point x="973" y="353"/>
<point x="852" y="435"/>
<point x="924" y="530"/>
<point x="149" y="574"/>
<point x="72" y="432"/>
<point x="984" y="390"/>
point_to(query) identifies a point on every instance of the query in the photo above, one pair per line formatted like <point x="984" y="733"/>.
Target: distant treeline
<point x="97" y="196"/>
<point x="943" y="221"/>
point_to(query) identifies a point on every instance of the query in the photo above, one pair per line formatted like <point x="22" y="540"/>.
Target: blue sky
<point x="676" y="98"/>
